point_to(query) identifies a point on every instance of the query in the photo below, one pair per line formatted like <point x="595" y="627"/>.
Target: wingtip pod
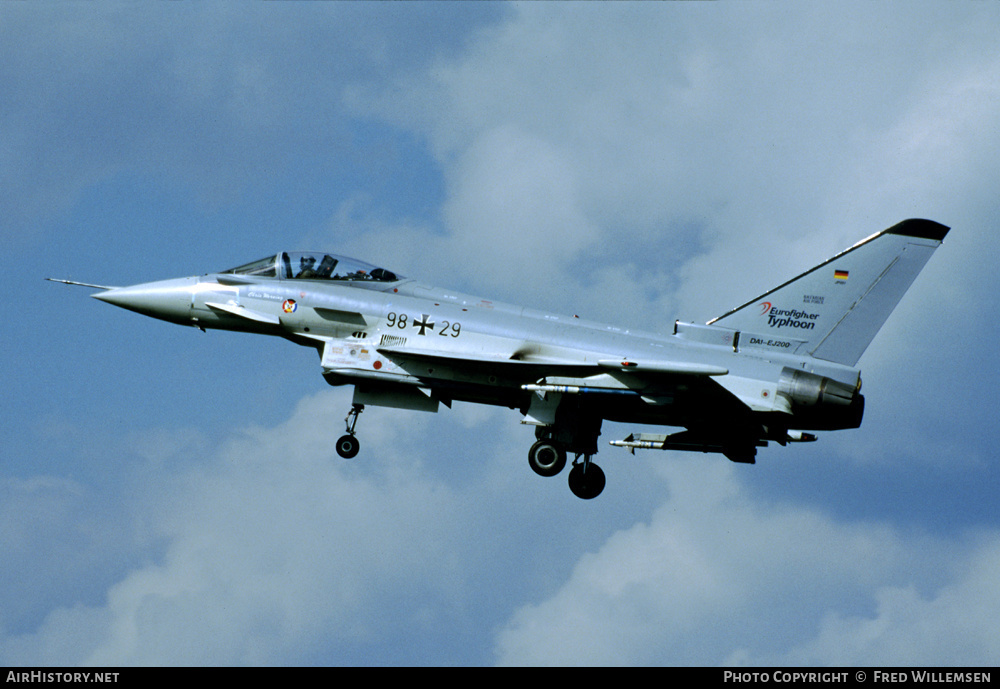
<point x="923" y="229"/>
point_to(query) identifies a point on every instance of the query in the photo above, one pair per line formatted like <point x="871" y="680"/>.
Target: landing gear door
<point x="408" y="397"/>
<point x="542" y="411"/>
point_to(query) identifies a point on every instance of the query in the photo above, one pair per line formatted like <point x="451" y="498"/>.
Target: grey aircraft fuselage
<point x="776" y="367"/>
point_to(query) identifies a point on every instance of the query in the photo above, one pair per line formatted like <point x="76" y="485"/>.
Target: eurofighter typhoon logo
<point x="780" y="318"/>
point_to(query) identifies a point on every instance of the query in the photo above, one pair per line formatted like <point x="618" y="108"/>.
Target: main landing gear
<point x="548" y="457"/>
<point x="348" y="445"/>
<point x="586" y="479"/>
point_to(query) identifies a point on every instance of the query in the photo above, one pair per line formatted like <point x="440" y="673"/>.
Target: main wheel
<point x="546" y="458"/>
<point x="348" y="446"/>
<point x="586" y="480"/>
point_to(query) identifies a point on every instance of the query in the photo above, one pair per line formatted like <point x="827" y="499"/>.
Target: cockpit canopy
<point x="314" y="265"/>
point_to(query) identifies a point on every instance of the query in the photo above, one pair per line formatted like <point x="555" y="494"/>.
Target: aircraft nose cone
<point x="169" y="300"/>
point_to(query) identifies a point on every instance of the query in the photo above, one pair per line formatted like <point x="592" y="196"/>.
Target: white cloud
<point x="275" y="551"/>
<point x="954" y="625"/>
<point x="716" y="577"/>
<point x="273" y="544"/>
<point x="515" y="209"/>
<point x="629" y="162"/>
<point x="675" y="135"/>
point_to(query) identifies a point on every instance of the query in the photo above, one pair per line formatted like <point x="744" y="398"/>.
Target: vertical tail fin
<point x="839" y="306"/>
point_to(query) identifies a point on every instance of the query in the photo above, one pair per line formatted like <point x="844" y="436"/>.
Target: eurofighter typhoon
<point x="776" y="369"/>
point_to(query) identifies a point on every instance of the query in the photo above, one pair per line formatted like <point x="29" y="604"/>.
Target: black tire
<point x="588" y="484"/>
<point x="546" y="458"/>
<point x="348" y="446"/>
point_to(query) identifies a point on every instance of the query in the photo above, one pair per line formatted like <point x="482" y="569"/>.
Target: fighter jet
<point x="776" y="369"/>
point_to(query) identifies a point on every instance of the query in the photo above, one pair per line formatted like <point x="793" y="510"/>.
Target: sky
<point x="170" y="497"/>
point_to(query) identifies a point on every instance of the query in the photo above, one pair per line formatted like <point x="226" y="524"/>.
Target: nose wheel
<point x="348" y="445"/>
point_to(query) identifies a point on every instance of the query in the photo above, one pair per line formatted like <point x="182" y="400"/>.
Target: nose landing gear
<point x="348" y="445"/>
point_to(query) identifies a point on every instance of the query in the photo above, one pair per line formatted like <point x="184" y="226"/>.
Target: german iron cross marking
<point x="423" y="324"/>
